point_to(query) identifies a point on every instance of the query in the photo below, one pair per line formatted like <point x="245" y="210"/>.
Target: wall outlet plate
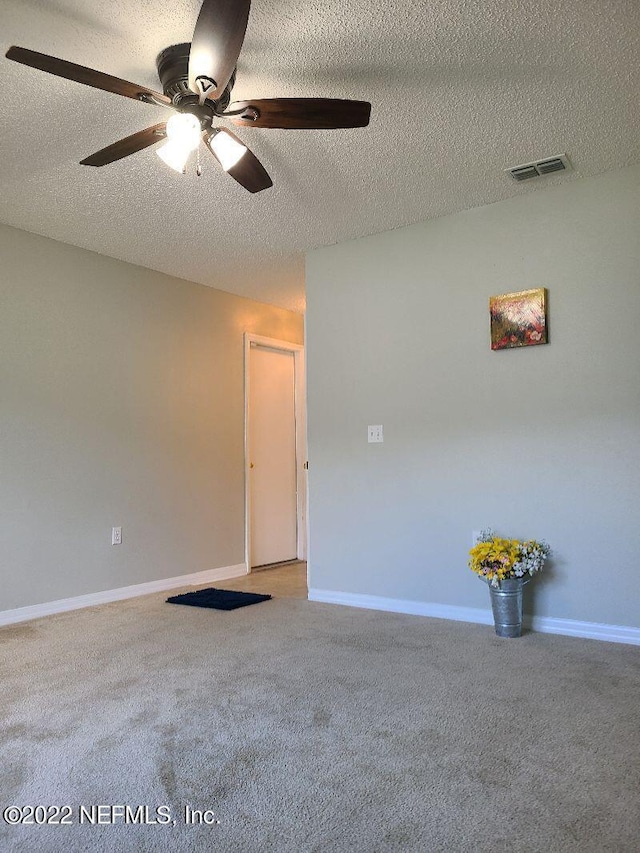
<point x="116" y="536"/>
<point x="374" y="434"/>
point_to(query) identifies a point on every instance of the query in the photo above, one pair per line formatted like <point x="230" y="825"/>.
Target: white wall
<point x="537" y="442"/>
<point x="121" y="403"/>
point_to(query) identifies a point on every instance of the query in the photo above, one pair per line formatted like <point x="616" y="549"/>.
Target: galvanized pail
<point x="506" y="603"/>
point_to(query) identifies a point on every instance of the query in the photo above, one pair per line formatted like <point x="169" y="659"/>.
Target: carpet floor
<point x="300" y="726"/>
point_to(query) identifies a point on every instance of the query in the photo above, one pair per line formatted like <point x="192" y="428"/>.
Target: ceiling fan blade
<point x="129" y="145"/>
<point x="71" y="71"/>
<point x="248" y="170"/>
<point x="216" y="44"/>
<point x="302" y="113"/>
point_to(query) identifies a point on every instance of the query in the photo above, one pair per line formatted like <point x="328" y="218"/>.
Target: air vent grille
<point x="547" y="166"/>
<point x="524" y="172"/>
<point x="559" y="163"/>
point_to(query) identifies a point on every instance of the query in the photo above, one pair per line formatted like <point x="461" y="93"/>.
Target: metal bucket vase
<point x="506" y="603"/>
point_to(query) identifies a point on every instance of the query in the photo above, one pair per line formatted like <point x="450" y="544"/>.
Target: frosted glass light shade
<point x="184" y="129"/>
<point x="227" y="149"/>
<point x="174" y="155"/>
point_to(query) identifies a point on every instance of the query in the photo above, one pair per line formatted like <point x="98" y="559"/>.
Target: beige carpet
<point x="313" y="727"/>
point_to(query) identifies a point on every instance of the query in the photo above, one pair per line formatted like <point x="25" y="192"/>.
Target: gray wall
<point x="121" y="403"/>
<point x="536" y="442"/>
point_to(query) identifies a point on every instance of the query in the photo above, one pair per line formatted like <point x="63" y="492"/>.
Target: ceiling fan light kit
<point x="197" y="79"/>
<point x="174" y="155"/>
<point x="226" y="148"/>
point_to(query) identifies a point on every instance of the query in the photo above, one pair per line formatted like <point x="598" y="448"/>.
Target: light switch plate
<point x="374" y="434"/>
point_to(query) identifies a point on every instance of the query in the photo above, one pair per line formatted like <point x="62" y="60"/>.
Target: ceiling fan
<point x="197" y="80"/>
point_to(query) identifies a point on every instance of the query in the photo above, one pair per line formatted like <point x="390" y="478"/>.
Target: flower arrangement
<point x="495" y="559"/>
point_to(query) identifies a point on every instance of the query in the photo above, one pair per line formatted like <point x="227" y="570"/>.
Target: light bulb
<point x="227" y="149"/>
<point x="184" y="129"/>
<point x="174" y="155"/>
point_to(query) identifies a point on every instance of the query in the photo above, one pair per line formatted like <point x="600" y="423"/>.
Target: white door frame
<point x="301" y="440"/>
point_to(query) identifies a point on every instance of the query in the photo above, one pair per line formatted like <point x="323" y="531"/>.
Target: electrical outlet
<point x="116" y="536"/>
<point x="374" y="434"/>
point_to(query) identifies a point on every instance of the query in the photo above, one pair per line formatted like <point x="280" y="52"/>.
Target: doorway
<point x="275" y="452"/>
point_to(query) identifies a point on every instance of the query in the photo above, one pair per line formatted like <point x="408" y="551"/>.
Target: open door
<point x="274" y="452"/>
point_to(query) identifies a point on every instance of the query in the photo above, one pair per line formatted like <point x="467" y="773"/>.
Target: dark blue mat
<point x="219" y="599"/>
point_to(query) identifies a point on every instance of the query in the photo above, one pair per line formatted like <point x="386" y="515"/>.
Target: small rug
<point x="219" y="599"/>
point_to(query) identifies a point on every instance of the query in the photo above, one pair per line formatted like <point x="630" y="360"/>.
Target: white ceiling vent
<point x="559" y="163"/>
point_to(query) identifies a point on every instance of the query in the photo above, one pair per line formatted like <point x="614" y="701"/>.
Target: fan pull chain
<point x="198" y="166"/>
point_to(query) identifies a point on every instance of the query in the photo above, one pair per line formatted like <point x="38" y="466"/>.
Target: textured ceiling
<point x="460" y="91"/>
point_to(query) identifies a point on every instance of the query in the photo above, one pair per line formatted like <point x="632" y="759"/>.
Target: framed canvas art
<point x="518" y="319"/>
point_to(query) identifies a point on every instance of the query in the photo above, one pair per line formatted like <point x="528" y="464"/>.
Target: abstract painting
<point x="518" y="319"/>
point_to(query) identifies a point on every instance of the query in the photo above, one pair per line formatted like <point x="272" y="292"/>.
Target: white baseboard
<point x="35" y="611"/>
<point x="589" y="630"/>
<point x="542" y="624"/>
<point x="398" y="605"/>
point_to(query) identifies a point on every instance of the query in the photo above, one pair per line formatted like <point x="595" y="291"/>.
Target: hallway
<point x="283" y="581"/>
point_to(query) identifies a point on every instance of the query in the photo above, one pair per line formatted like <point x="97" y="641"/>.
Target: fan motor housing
<point x="173" y="69"/>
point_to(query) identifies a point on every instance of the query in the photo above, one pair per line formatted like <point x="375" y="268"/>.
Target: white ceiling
<point x="461" y="89"/>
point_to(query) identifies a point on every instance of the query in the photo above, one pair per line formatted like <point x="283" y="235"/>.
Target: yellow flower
<point x="495" y="557"/>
